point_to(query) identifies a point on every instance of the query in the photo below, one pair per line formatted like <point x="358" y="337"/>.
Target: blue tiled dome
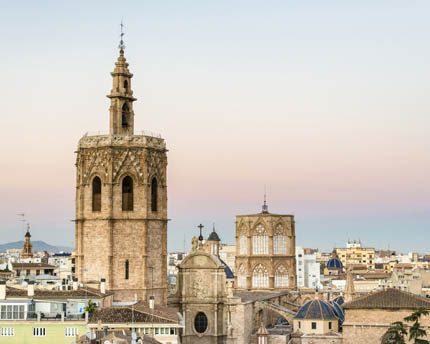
<point x="339" y="300"/>
<point x="316" y="310"/>
<point x="334" y="263"/>
<point x="338" y="311"/>
<point x="214" y="236"/>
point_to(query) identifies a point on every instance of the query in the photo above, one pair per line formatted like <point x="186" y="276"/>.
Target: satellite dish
<point x="133" y="336"/>
<point x="93" y="335"/>
<point x="88" y="334"/>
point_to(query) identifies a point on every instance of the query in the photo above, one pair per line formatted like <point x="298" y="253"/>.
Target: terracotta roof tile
<point x="389" y="299"/>
<point x="60" y="294"/>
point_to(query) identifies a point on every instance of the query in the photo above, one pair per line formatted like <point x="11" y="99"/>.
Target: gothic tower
<point x="121" y="202"/>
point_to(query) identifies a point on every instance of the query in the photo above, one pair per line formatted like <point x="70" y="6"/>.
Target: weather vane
<point x="121" y="42"/>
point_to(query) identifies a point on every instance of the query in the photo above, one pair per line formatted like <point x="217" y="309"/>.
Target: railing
<point x="136" y="132"/>
<point x="46" y="316"/>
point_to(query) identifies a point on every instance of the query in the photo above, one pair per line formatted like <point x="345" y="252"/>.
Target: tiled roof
<point x="137" y="313"/>
<point x="56" y="294"/>
<point x="389" y="299"/>
<point x="32" y="266"/>
<point x="315" y="310"/>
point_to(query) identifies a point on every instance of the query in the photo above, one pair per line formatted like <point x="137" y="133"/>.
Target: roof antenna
<point x="121" y="45"/>
<point x="265" y="207"/>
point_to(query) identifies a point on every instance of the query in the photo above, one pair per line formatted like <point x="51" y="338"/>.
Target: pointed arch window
<point x="124" y="112"/>
<point x="281" y="277"/>
<point x="280" y="240"/>
<point x="154" y="195"/>
<point x="127" y="269"/>
<point x="126" y="85"/>
<point x="97" y="194"/>
<point x="260" y="241"/>
<point x="260" y="277"/>
<point x="241" y="276"/>
<point x="243" y="244"/>
<point x="127" y="193"/>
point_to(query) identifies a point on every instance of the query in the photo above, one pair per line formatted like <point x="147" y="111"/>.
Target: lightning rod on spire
<point x="121" y="45"/>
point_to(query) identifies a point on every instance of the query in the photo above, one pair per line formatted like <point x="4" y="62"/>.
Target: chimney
<point x="75" y="284"/>
<point x="30" y="288"/>
<point x="103" y="286"/>
<point x="2" y="290"/>
<point x="151" y="302"/>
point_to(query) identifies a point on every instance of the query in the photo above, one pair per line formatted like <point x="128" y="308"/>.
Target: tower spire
<point x="121" y="45"/>
<point x="265" y="207"/>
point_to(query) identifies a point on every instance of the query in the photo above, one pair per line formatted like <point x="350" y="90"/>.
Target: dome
<point x="316" y="310"/>
<point x="334" y="263"/>
<point x="213" y="236"/>
<point x="228" y="273"/>
<point x="338" y="311"/>
<point x="339" y="300"/>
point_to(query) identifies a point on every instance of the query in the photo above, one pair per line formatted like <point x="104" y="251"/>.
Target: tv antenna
<point x="121" y="45"/>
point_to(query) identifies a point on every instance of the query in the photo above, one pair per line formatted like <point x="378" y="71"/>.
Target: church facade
<point x="121" y="203"/>
<point x="265" y="252"/>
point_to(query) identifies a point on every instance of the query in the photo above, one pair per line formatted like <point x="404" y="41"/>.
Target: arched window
<point x="260" y="242"/>
<point x="125" y="85"/>
<point x="200" y="322"/>
<point x="280" y="241"/>
<point x="241" y="276"/>
<point x="127" y="193"/>
<point x="260" y="277"/>
<point x="127" y="269"/>
<point x="281" y="277"/>
<point x="154" y="194"/>
<point x="243" y="244"/>
<point x="97" y="194"/>
<point x="124" y="115"/>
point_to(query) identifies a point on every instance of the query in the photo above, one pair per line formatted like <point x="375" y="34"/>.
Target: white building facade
<point x="308" y="270"/>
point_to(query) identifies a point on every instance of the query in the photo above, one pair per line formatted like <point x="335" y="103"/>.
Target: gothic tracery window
<point x="154" y="194"/>
<point x="260" y="277"/>
<point x="241" y="276"/>
<point x="127" y="193"/>
<point x="243" y="242"/>
<point x="281" y="277"/>
<point x="97" y="194"/>
<point x="260" y="241"/>
<point x="280" y="240"/>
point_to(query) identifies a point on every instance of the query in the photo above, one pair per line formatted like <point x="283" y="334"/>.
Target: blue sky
<point x="324" y="102"/>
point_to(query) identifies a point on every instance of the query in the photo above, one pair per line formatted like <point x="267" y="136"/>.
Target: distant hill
<point x="37" y="246"/>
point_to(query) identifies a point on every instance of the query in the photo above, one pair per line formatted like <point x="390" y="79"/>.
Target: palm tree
<point x="416" y="331"/>
<point x="397" y="331"/>
<point x="90" y="308"/>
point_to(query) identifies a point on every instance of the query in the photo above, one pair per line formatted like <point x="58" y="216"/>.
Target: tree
<point x="398" y="330"/>
<point x="90" y="308"/>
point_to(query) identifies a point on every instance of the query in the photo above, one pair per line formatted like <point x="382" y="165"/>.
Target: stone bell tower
<point x="121" y="202"/>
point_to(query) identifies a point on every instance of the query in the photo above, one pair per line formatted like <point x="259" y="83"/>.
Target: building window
<point x="125" y="85"/>
<point x="97" y="194"/>
<point x="260" y="277"/>
<point x="260" y="242"/>
<point x="154" y="194"/>
<point x="200" y="322"/>
<point x="12" y="312"/>
<point x="281" y="277"/>
<point x="39" y="331"/>
<point x="243" y="244"/>
<point x="280" y="241"/>
<point x="329" y="325"/>
<point x="124" y="113"/>
<point x="300" y="324"/>
<point x="7" y="331"/>
<point x="241" y="276"/>
<point x="127" y="268"/>
<point x="127" y="194"/>
<point x="70" y="331"/>
<point x="314" y="326"/>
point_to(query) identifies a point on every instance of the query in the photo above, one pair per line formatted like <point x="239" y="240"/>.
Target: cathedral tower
<point x="121" y="202"/>
<point x="27" y="247"/>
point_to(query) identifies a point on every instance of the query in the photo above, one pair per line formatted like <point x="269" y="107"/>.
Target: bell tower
<point x="121" y="98"/>
<point x="121" y="202"/>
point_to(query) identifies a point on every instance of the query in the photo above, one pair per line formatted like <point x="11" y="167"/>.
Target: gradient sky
<point x="325" y="102"/>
